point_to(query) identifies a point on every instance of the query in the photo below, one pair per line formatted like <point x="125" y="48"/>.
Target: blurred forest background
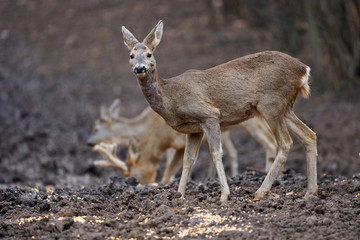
<point x="61" y="59"/>
<point x="329" y="30"/>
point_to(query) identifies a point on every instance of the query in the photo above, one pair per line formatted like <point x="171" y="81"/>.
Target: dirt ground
<point x="60" y="60"/>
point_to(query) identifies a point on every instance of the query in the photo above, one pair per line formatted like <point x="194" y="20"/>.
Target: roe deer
<point x="110" y="127"/>
<point x="111" y="130"/>
<point x="155" y="137"/>
<point x="143" y="164"/>
<point x="200" y="102"/>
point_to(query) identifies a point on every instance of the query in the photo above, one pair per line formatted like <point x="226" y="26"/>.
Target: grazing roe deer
<point x="144" y="156"/>
<point x="110" y="127"/>
<point x="155" y="138"/>
<point x="200" y="102"/>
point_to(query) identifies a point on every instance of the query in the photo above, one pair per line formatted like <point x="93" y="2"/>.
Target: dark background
<point x="60" y="60"/>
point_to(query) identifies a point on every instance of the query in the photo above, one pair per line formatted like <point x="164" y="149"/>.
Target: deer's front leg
<point x="212" y="132"/>
<point x="193" y="141"/>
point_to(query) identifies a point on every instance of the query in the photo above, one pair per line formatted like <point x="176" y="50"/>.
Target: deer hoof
<point x="224" y="197"/>
<point x="182" y="194"/>
<point x="259" y="195"/>
<point x="310" y="193"/>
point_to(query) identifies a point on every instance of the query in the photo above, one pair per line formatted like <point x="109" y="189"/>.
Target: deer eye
<point x="132" y="56"/>
<point x="149" y="55"/>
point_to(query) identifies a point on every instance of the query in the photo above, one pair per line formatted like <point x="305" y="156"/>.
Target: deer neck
<point x="152" y="87"/>
<point x="151" y="151"/>
<point x="144" y="118"/>
<point x="137" y="125"/>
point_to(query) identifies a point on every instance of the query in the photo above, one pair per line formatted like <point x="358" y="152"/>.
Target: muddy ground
<point x="59" y="60"/>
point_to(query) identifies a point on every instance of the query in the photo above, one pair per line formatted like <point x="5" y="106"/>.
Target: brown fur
<point x="112" y="128"/>
<point x="200" y="102"/>
<point x="158" y="139"/>
<point x="154" y="138"/>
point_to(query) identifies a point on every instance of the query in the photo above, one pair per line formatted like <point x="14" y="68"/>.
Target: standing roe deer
<point x="155" y="137"/>
<point x="201" y="102"/>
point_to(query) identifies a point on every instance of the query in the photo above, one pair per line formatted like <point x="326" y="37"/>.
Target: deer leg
<point x="192" y="146"/>
<point x="284" y="144"/>
<point x="211" y="171"/>
<point x="173" y="165"/>
<point x="268" y="142"/>
<point x="259" y="130"/>
<point x="308" y="139"/>
<point x="232" y="153"/>
<point x="170" y="153"/>
<point x="212" y="132"/>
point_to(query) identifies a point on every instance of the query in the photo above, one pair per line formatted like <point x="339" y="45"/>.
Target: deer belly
<point x="188" y="128"/>
<point x="236" y="118"/>
<point x="225" y="125"/>
<point x="232" y="115"/>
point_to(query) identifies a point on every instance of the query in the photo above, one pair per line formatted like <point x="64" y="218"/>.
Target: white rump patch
<point x="305" y="78"/>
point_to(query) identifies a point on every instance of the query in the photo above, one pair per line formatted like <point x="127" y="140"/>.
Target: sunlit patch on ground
<point x="78" y="219"/>
<point x="202" y="222"/>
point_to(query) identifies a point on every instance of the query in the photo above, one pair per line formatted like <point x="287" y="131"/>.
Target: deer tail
<point x="304" y="87"/>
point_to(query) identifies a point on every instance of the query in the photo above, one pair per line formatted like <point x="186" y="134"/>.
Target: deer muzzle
<point x="140" y="69"/>
<point x="91" y="141"/>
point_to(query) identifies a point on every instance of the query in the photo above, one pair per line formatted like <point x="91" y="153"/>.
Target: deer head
<point x="110" y="127"/>
<point x="142" y="61"/>
<point x="144" y="172"/>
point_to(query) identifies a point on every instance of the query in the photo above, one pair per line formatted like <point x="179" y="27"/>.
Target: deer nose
<point x="90" y="142"/>
<point x="140" y="69"/>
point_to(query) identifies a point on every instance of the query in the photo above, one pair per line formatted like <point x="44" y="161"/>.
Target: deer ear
<point x="129" y="39"/>
<point x="154" y="37"/>
<point x="114" y="109"/>
<point x="104" y="114"/>
<point x="132" y="155"/>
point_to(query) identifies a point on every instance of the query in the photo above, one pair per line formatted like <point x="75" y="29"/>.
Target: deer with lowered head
<point x="199" y="102"/>
<point x="110" y="127"/>
<point x="154" y="138"/>
<point x="143" y="156"/>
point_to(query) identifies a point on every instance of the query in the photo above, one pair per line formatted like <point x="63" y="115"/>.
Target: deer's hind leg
<point x="279" y="128"/>
<point x="308" y="139"/>
<point x="192" y="146"/>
